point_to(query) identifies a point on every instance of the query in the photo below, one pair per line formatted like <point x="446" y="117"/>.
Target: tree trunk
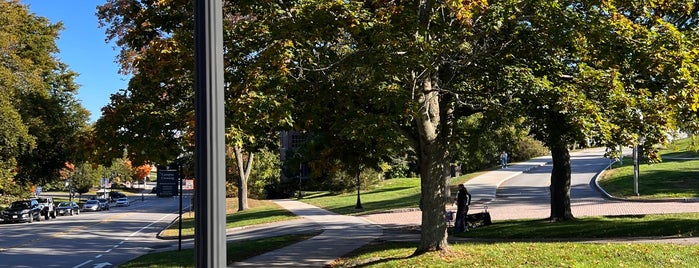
<point x="560" y="183"/>
<point x="244" y="171"/>
<point x="434" y="128"/>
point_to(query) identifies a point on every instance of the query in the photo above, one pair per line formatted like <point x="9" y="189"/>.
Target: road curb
<point x="595" y="184"/>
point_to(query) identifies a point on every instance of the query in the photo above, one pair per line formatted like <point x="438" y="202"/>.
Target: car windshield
<point x="91" y="202"/>
<point x="64" y="204"/>
<point x="20" y="205"/>
<point x="102" y="200"/>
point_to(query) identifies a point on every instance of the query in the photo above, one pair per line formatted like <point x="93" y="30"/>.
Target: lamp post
<point x="358" y="206"/>
<point x="641" y="140"/>
<point x="300" y="173"/>
<point x="636" y="163"/>
<point x="297" y="155"/>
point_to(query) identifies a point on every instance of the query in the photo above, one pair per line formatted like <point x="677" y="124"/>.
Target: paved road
<point x="526" y="195"/>
<point x="91" y="239"/>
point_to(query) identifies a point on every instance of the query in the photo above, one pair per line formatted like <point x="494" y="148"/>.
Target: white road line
<point x="126" y="239"/>
<point x="80" y="265"/>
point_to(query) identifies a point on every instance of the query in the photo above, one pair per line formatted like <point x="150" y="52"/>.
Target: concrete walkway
<point x="341" y="235"/>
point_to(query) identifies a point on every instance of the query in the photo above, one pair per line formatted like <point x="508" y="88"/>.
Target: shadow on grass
<point x="378" y="247"/>
<point x="682" y="225"/>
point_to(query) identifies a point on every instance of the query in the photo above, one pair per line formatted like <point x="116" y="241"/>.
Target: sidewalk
<point x="341" y="235"/>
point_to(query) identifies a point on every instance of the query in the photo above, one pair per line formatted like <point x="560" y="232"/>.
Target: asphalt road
<point x="91" y="239"/>
<point x="532" y="187"/>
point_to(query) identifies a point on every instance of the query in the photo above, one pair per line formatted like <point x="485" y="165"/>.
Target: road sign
<point x="167" y="182"/>
<point x="188" y="185"/>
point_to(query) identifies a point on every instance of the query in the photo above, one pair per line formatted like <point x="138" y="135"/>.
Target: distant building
<point x="290" y="141"/>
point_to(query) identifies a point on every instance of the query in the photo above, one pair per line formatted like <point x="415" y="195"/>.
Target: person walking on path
<point x="463" y="200"/>
<point x="503" y="159"/>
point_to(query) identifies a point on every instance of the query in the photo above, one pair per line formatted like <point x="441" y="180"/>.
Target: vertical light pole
<point x="300" y="174"/>
<point x="210" y="196"/>
<point x="635" y="169"/>
<point x="636" y="162"/>
<point x="358" y="206"/>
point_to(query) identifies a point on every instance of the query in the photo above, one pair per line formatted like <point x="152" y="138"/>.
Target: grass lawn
<point x="261" y="211"/>
<point x="237" y="251"/>
<point x="681" y="225"/>
<point x="389" y="194"/>
<point x="497" y="249"/>
<point x="676" y="177"/>
<point x="526" y="254"/>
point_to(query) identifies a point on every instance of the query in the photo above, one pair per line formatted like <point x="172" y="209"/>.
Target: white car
<point x="123" y="202"/>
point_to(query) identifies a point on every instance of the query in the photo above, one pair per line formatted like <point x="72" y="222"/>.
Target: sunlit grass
<point x="677" y="176"/>
<point x="526" y="254"/>
<point x="260" y="211"/>
<point x="400" y="193"/>
<point x="681" y="225"/>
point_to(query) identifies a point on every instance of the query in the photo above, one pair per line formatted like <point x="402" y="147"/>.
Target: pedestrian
<point x="463" y="200"/>
<point x="503" y="159"/>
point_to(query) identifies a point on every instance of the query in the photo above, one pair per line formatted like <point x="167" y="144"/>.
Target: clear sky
<point x="83" y="48"/>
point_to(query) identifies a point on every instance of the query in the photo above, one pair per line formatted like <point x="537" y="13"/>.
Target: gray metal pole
<point x="210" y="217"/>
<point x="635" y="169"/>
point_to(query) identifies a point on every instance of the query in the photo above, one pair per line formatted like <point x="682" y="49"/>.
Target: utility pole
<point x="210" y="202"/>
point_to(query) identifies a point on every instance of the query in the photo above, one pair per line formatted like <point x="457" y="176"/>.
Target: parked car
<point x="123" y="202"/>
<point x="48" y="209"/>
<point x="67" y="208"/>
<point x="104" y="203"/>
<point x="22" y="211"/>
<point x="92" y="205"/>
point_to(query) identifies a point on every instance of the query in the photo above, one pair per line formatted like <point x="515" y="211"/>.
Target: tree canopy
<point x="41" y="117"/>
<point x="390" y="75"/>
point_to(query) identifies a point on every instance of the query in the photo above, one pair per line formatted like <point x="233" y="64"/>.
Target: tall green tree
<point x="153" y="119"/>
<point x="402" y="73"/>
<point x="41" y="90"/>
<point x="574" y="69"/>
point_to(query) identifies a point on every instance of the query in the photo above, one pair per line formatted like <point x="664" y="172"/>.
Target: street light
<point x="358" y="206"/>
<point x="636" y="170"/>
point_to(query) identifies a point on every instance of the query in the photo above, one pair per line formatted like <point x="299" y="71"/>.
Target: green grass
<point x="508" y="254"/>
<point x="669" y="179"/>
<point x="237" y="251"/>
<point x="260" y="211"/>
<point x="677" y="176"/>
<point x="390" y="194"/>
<point x="681" y="225"/>
<point x="682" y="148"/>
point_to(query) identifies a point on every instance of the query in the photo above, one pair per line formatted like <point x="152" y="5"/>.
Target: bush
<point x="528" y="148"/>
<point x="344" y="181"/>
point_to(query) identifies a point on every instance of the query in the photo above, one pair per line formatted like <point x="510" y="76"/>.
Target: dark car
<point x="114" y="195"/>
<point x="68" y="208"/>
<point x="22" y="211"/>
<point x="104" y="204"/>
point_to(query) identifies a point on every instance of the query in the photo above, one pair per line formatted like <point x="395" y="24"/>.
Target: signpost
<point x="167" y="181"/>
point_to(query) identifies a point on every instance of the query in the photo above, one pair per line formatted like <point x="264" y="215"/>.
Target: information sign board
<point x="167" y="182"/>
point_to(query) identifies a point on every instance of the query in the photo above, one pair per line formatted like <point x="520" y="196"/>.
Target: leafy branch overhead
<point x="386" y="78"/>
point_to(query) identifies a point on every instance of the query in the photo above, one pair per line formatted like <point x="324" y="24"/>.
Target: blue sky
<point x="83" y="48"/>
